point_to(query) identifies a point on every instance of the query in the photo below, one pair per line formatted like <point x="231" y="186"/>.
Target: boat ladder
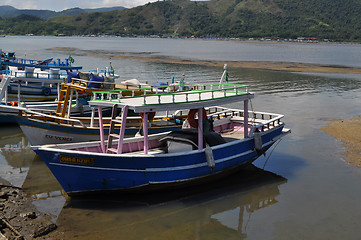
<point x="66" y="95"/>
<point x="63" y="99"/>
<point x="113" y="135"/>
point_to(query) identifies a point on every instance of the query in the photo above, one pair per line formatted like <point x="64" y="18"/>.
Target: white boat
<point x="38" y="89"/>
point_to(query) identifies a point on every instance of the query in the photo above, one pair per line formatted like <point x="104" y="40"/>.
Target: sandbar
<point x="349" y="133"/>
<point x="267" y="65"/>
<point x="278" y="66"/>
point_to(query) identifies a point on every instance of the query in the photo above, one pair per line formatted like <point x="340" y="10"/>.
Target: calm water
<point x="306" y="191"/>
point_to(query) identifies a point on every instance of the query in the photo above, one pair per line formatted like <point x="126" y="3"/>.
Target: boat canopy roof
<point x="165" y="98"/>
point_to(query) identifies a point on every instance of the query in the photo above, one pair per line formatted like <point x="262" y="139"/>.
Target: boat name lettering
<point x="67" y="139"/>
<point x="76" y="160"/>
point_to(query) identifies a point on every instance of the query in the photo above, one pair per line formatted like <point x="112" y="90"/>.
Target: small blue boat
<point x="9" y="59"/>
<point x="205" y="149"/>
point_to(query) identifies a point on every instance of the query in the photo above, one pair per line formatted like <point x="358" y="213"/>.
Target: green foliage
<point x="26" y="24"/>
<point x="332" y="19"/>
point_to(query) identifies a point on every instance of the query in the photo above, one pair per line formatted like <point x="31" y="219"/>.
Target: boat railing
<point x="258" y="120"/>
<point x="52" y="74"/>
<point x="46" y="62"/>
<point x="107" y="72"/>
<point x="52" y="118"/>
<point x="267" y="124"/>
<point x="78" y="83"/>
<point x="200" y="91"/>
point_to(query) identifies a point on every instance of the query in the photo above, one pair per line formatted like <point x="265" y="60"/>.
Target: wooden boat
<point x="168" y="159"/>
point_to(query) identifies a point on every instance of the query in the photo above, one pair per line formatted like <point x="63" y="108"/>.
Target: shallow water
<point x="306" y="191"/>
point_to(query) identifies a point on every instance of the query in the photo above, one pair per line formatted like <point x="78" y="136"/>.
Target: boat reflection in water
<point x="42" y="186"/>
<point x="15" y="155"/>
<point x="21" y="167"/>
<point x="218" y="210"/>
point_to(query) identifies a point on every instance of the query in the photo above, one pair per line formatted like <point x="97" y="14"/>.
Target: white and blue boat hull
<point x="84" y="172"/>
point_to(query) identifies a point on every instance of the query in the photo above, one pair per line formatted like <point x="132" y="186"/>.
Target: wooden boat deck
<point x="233" y="135"/>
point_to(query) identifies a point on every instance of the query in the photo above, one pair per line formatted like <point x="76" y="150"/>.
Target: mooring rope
<point x="274" y="147"/>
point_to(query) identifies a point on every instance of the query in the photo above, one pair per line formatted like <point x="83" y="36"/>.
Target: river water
<point x="302" y="190"/>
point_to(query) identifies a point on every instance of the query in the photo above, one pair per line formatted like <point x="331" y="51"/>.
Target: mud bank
<point x="20" y="220"/>
<point x="152" y="57"/>
<point x="349" y="133"/>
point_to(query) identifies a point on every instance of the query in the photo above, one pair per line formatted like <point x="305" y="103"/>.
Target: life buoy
<point x="81" y="91"/>
<point x="150" y="115"/>
<point x="190" y="117"/>
<point x="46" y="91"/>
<point x="14" y="103"/>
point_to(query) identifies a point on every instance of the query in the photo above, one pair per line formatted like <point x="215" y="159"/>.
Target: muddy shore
<point x="349" y="133"/>
<point x="278" y="66"/>
<point x="20" y="220"/>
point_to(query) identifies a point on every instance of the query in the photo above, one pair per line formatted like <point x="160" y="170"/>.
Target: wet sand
<point x="20" y="219"/>
<point x="349" y="132"/>
<point x="278" y="66"/>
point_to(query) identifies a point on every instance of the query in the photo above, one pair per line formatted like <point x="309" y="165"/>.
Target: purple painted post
<point x="101" y="129"/>
<point x="145" y="132"/>
<point x="200" y="128"/>
<point x="122" y="129"/>
<point x="245" y="127"/>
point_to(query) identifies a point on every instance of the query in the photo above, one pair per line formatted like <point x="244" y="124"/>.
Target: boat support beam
<point x="200" y="128"/>
<point x="245" y="127"/>
<point x="145" y="132"/>
<point x="101" y="129"/>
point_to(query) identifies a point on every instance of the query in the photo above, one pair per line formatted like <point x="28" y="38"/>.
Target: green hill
<point x="323" y="19"/>
<point x="9" y="11"/>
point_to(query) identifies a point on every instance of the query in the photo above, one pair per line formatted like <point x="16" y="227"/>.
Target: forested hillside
<point x="324" y="19"/>
<point x="9" y="11"/>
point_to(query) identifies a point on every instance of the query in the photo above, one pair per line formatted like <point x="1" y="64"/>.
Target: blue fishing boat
<point x="9" y="59"/>
<point x="208" y="147"/>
